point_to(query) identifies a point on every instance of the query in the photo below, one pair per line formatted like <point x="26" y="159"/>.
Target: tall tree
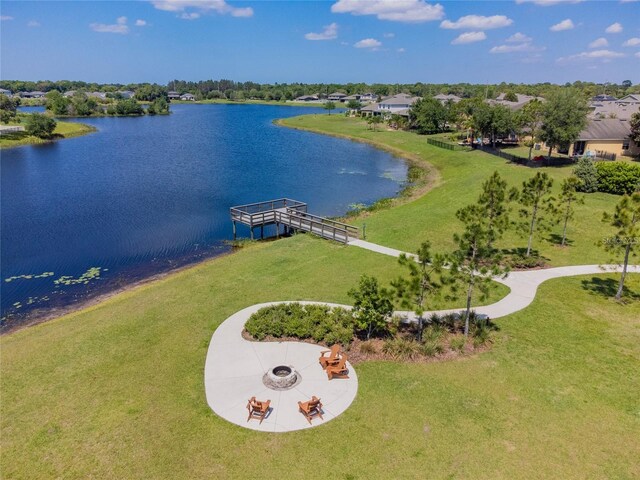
<point x="635" y="128"/>
<point x="473" y="263"/>
<point x="372" y="307"/>
<point x="493" y="202"/>
<point x="428" y="115"/>
<point x="529" y="120"/>
<point x="329" y="106"/>
<point x="537" y="206"/>
<point x="423" y="283"/>
<point x="568" y="198"/>
<point x="626" y="219"/>
<point x="565" y="116"/>
<point x="40" y="125"/>
<point x="8" y="108"/>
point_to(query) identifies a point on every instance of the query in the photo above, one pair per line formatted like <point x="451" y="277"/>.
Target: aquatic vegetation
<point x="29" y="276"/>
<point x="91" y="274"/>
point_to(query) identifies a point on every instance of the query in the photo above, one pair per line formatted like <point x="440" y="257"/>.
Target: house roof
<point x="445" y="97"/>
<point x="632" y="97"/>
<point x="606" y="129"/>
<point x="400" y="99"/>
<point x="604" y="98"/>
<point x="337" y="94"/>
<point x="522" y="101"/>
<point x="372" y="107"/>
<point x="621" y="111"/>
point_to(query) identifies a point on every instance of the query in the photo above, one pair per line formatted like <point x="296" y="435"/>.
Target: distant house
<point x="398" y="104"/>
<point x="336" y="97"/>
<point x="370" y="110"/>
<point x="5" y="92"/>
<point x="187" y="97"/>
<point x="603" y="98"/>
<point x="609" y="135"/>
<point x="444" y="98"/>
<point x="307" y="98"/>
<point x="368" y="97"/>
<point x="631" y="98"/>
<point x="619" y="110"/>
<point x="100" y="95"/>
<point x="521" y="101"/>
<point x="35" y="94"/>
<point x="173" y="96"/>
<point x="125" y="93"/>
<point x="69" y="93"/>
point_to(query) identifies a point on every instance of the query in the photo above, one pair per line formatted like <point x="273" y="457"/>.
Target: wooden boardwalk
<point x="292" y="215"/>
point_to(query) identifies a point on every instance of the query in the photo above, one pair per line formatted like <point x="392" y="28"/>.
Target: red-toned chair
<point x="257" y="409"/>
<point x="311" y="409"/>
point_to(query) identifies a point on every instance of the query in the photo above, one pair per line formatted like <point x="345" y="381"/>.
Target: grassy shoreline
<point x="116" y="390"/>
<point x="63" y="131"/>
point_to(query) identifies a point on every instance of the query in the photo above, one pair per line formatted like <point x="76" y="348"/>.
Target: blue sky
<point x="389" y="41"/>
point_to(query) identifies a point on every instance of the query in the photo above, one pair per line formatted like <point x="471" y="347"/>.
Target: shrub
<point x="587" y="174"/>
<point x="431" y="348"/>
<point x="368" y="348"/>
<point x="317" y="322"/>
<point x="40" y="125"/>
<point x="457" y="343"/>
<point x="618" y="178"/>
<point x="433" y="333"/>
<point x="401" y="348"/>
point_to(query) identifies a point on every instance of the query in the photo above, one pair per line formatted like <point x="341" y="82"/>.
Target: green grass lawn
<point x="459" y="176"/>
<point x="117" y="390"/>
<point x="63" y="130"/>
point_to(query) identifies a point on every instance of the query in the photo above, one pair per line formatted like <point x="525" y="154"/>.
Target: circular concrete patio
<point x="234" y="369"/>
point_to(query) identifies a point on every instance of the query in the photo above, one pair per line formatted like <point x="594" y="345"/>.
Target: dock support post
<point x="234" y="230"/>
<point x="251" y="228"/>
<point x="261" y="232"/>
<point x="277" y="230"/>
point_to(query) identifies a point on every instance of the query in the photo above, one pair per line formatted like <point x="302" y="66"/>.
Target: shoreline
<point x="55" y="313"/>
<point x="77" y="129"/>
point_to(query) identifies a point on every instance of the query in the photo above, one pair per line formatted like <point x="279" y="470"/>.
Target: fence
<point x="447" y="146"/>
<point x="543" y="162"/>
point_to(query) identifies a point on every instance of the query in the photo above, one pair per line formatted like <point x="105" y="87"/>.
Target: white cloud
<point x="469" y="37"/>
<point x="409" y="11"/>
<point x="599" y="43"/>
<point x="563" y="25"/>
<point x="477" y="22"/>
<point x="368" y="43"/>
<point x="518" y="38"/>
<point x="604" y="55"/>
<point x="120" y="26"/>
<point x="614" y="28"/>
<point x="401" y="50"/>
<point x="33" y="24"/>
<point x="218" y="6"/>
<point x="548" y="3"/>
<point x="637" y="54"/>
<point x="632" y="42"/>
<point x="389" y="35"/>
<point x="141" y="23"/>
<point x="4" y="18"/>
<point x="522" y="47"/>
<point x="330" y="32"/>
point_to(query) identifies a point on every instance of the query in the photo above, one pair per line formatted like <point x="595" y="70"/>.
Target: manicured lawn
<point x="117" y="390"/>
<point x="63" y="130"/>
<point x="460" y="176"/>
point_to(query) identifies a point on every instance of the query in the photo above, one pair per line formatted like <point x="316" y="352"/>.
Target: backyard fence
<point x="542" y="162"/>
<point x="447" y="146"/>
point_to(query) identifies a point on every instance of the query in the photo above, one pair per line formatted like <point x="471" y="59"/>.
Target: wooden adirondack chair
<point x="332" y="358"/>
<point x="339" y="369"/>
<point x="257" y="409"/>
<point x="311" y="408"/>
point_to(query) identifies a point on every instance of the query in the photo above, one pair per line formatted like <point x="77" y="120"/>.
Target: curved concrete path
<point x="234" y="366"/>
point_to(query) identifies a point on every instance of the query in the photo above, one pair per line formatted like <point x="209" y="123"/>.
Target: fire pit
<point x="281" y="377"/>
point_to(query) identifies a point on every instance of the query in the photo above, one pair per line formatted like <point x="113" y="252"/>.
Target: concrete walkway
<point x="234" y="369"/>
<point x="234" y="366"/>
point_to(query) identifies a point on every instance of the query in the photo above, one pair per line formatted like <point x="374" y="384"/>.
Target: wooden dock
<point x="292" y="215"/>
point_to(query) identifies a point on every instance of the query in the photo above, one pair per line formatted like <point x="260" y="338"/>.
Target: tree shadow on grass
<point x="607" y="288"/>
<point x="556" y="239"/>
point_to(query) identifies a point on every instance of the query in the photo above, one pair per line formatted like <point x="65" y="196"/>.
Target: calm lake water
<point x="145" y="195"/>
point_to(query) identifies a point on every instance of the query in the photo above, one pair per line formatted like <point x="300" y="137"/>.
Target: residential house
<point x="608" y="135"/>
<point x="521" y="101"/>
<point x="35" y="94"/>
<point x="69" y="93"/>
<point x="394" y="105"/>
<point x="173" y="95"/>
<point x="368" y="97"/>
<point x="618" y="109"/>
<point x="307" y="98"/>
<point x="603" y="98"/>
<point x="444" y="98"/>
<point x="336" y="97"/>
<point x="98" y="95"/>
<point x="187" y="97"/>
<point x="5" y="92"/>
<point x="125" y="93"/>
<point x="631" y="98"/>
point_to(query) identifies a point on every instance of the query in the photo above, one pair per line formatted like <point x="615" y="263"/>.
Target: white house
<point x="187" y="97"/>
<point x="336" y="97"/>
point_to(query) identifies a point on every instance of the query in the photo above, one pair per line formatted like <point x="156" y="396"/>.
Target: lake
<point x="144" y="195"/>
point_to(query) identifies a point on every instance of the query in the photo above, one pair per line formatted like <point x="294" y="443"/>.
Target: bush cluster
<point x="618" y="178"/>
<point x="317" y="322"/>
